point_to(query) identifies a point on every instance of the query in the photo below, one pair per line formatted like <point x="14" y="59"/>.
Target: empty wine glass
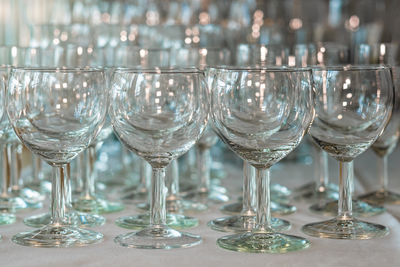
<point x="353" y="105"/>
<point x="383" y="147"/>
<point x="57" y="113"/>
<point x="159" y="114"/>
<point x="7" y="203"/>
<point x="320" y="190"/>
<point x="262" y="114"/>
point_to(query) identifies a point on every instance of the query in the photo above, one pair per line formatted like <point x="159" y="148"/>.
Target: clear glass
<point x="383" y="53"/>
<point x="246" y="221"/>
<point x="252" y="115"/>
<point x="57" y="113"/>
<point x="158" y="114"/>
<point x="174" y="206"/>
<point x="352" y="105"/>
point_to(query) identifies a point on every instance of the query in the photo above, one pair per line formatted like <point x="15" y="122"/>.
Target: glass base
<point x="142" y="221"/>
<point x="310" y="187"/>
<point x="211" y="196"/>
<point x="276" y="208"/>
<point x="381" y="197"/>
<point x="7" y="218"/>
<point x="58" y="236"/>
<point x="282" y="209"/>
<point x="32" y="197"/>
<point x="135" y="196"/>
<point x="177" y="206"/>
<point x="12" y="204"/>
<point x="280" y="191"/>
<point x="97" y="205"/>
<point x="263" y="242"/>
<point x="157" y="238"/>
<point x="329" y="192"/>
<point x="360" y="208"/>
<point x="240" y="224"/>
<point x="76" y="219"/>
<point x="345" y="229"/>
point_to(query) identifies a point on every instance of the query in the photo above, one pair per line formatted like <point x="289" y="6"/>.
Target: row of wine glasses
<point x="261" y="113"/>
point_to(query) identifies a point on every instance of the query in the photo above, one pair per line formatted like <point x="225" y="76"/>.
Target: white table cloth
<point x="323" y="252"/>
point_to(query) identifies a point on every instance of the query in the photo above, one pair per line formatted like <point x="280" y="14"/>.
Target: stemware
<point x="57" y="113"/>
<point x="158" y="114"/>
<point x="262" y="114"/>
<point x="7" y="203"/>
<point x="353" y="105"/>
<point x="383" y="147"/>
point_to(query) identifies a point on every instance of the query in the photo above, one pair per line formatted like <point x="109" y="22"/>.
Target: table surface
<point x="323" y="252"/>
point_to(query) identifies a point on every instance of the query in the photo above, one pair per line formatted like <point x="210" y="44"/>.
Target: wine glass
<point x="383" y="147"/>
<point x="57" y="113"/>
<point x="206" y="191"/>
<point x="353" y="105"/>
<point x="263" y="55"/>
<point x="322" y="53"/>
<point x="158" y="114"/>
<point x="262" y="114"/>
<point x="70" y="56"/>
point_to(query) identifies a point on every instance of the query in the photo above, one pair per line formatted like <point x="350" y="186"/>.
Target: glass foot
<point x="135" y="196"/>
<point x="97" y="206"/>
<point x="52" y="236"/>
<point x="244" y="224"/>
<point x="263" y="242"/>
<point x="310" y="187"/>
<point x="329" y="192"/>
<point x="12" y="204"/>
<point x="207" y="197"/>
<point x="177" y="206"/>
<point x="280" y="190"/>
<point x="360" y="208"/>
<point x="141" y="221"/>
<point x="232" y="209"/>
<point x="381" y="197"/>
<point x="345" y="229"/>
<point x="7" y="218"/>
<point x="282" y="209"/>
<point x="74" y="219"/>
<point x="158" y="238"/>
<point x="32" y="197"/>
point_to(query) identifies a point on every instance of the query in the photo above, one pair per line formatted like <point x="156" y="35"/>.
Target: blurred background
<point x="350" y="22"/>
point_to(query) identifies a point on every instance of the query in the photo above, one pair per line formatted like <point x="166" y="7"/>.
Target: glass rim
<point x="360" y="67"/>
<point x="58" y="69"/>
<point x="261" y="68"/>
<point x="159" y="70"/>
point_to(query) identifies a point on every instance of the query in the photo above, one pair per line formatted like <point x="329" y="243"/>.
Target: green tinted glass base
<point x="77" y="219"/>
<point x="12" y="204"/>
<point x="360" y="208"/>
<point x="241" y="224"/>
<point x="263" y="242"/>
<point x="276" y="208"/>
<point x="135" y="196"/>
<point x="52" y="236"/>
<point x="212" y="196"/>
<point x="142" y="221"/>
<point x="158" y="238"/>
<point x="7" y="218"/>
<point x="97" y="205"/>
<point x="178" y="206"/>
<point x="381" y="197"/>
<point x="345" y="229"/>
<point x="280" y="191"/>
<point x="327" y="193"/>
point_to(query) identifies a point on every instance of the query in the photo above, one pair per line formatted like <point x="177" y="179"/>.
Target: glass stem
<point x="158" y="214"/>
<point x="144" y="172"/>
<point x="172" y="180"/>
<point x="36" y="169"/>
<point x="59" y="195"/>
<point x="88" y="180"/>
<point x="263" y="218"/>
<point x="248" y="190"/>
<point x="383" y="172"/>
<point x="346" y="174"/>
<point x="12" y="155"/>
<point x="203" y="165"/>
<point x="6" y="173"/>
<point x="321" y="171"/>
